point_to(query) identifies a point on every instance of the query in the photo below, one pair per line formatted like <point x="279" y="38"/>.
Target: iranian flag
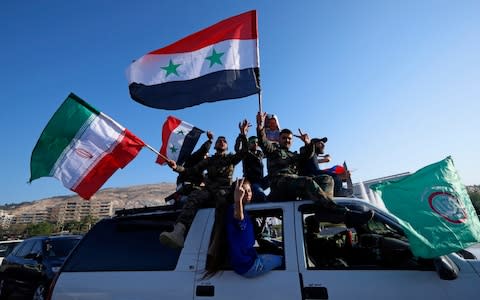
<point x="82" y="147"/>
<point x="178" y="140"/>
<point x="217" y="63"/>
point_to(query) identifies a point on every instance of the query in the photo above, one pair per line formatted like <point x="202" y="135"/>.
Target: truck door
<point x="372" y="261"/>
<point x="275" y="235"/>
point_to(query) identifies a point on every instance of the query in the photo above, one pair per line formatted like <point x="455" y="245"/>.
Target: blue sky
<point x="394" y="85"/>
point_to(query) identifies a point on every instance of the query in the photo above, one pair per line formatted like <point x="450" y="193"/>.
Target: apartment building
<point x="5" y="219"/>
<point x="33" y="217"/>
<point x="76" y="210"/>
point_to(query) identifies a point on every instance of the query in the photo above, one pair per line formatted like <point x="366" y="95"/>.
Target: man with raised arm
<point x="219" y="167"/>
<point x="286" y="184"/>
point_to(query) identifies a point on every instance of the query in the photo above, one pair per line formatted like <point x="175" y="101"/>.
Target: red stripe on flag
<point x="241" y="27"/>
<point x="119" y="157"/>
<point x="168" y="127"/>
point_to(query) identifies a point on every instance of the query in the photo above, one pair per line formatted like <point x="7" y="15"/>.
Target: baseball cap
<point x="316" y="140"/>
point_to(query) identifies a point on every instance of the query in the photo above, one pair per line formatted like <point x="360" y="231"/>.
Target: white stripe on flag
<point x="84" y="152"/>
<point x="238" y="55"/>
<point x="176" y="139"/>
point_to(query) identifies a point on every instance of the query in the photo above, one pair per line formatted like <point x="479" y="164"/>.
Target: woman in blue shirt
<point x="240" y="238"/>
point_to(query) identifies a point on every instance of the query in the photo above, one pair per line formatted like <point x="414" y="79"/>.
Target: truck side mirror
<point x="446" y="268"/>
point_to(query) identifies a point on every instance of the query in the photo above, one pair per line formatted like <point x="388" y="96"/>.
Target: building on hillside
<point x="5" y="219"/>
<point x="76" y="210"/>
<point x="33" y="217"/>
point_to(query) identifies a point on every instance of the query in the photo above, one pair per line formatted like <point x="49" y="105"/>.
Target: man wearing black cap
<point x="310" y="167"/>
<point x="287" y="184"/>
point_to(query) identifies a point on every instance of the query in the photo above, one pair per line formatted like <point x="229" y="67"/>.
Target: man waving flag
<point x="217" y="63"/>
<point x="82" y="147"/>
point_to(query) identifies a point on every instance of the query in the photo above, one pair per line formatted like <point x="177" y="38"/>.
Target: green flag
<point x="434" y="209"/>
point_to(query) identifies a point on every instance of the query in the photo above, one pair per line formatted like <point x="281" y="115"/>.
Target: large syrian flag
<point x="178" y="140"/>
<point x="82" y="147"/>
<point x="217" y="63"/>
<point x="433" y="208"/>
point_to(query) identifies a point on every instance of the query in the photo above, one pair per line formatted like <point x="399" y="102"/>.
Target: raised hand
<point x="244" y="125"/>
<point x="303" y="136"/>
<point x="239" y="190"/>
<point x="209" y="135"/>
<point x="261" y="119"/>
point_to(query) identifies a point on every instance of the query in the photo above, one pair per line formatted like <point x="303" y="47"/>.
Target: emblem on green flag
<point x="433" y="208"/>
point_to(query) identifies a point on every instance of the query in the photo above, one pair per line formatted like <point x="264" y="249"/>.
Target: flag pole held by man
<point x="217" y="63"/>
<point x="82" y="147"/>
<point x="433" y="208"/>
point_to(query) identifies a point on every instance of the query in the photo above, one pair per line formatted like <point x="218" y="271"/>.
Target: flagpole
<point x="156" y="152"/>
<point x="349" y="177"/>
<point x="260" y="101"/>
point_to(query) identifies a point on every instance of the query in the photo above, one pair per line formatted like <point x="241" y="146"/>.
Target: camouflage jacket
<point x="219" y="167"/>
<point x="192" y="160"/>
<point x="280" y="160"/>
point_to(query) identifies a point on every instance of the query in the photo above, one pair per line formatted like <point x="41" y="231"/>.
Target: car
<point x="29" y="269"/>
<point x="121" y="258"/>
<point x="6" y="247"/>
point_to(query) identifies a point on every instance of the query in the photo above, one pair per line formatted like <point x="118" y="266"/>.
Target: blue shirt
<point x="241" y="239"/>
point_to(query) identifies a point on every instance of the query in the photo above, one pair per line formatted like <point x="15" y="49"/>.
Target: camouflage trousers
<point x="200" y="199"/>
<point x="292" y="187"/>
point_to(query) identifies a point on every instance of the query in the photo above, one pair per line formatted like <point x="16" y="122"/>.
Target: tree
<point x="475" y="198"/>
<point x="43" y="228"/>
<point x="14" y="231"/>
<point x="87" y="222"/>
<point x="72" y="226"/>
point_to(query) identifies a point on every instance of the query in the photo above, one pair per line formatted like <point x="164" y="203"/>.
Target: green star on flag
<point x="173" y="149"/>
<point x="180" y="132"/>
<point x="206" y="75"/>
<point x="171" y="68"/>
<point x="215" y="58"/>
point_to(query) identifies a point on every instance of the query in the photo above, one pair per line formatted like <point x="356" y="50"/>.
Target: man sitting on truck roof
<point x="220" y="169"/>
<point x="286" y="184"/>
<point x="188" y="182"/>
<point x="310" y="167"/>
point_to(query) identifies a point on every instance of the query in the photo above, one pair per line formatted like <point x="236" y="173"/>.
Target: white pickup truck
<point x="121" y="258"/>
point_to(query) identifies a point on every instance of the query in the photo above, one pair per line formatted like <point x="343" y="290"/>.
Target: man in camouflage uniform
<point x="187" y="182"/>
<point x="286" y="184"/>
<point x="218" y="181"/>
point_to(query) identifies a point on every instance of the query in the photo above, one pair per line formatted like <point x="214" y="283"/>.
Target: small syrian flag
<point x="178" y="140"/>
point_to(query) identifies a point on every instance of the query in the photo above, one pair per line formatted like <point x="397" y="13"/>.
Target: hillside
<point x="138" y="196"/>
<point x="127" y="197"/>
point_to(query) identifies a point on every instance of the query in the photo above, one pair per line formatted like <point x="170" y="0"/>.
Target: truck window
<point x="268" y="226"/>
<point x="125" y="244"/>
<point x="375" y="245"/>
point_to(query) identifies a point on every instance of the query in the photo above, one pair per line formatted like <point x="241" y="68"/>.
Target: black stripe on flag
<point x="189" y="144"/>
